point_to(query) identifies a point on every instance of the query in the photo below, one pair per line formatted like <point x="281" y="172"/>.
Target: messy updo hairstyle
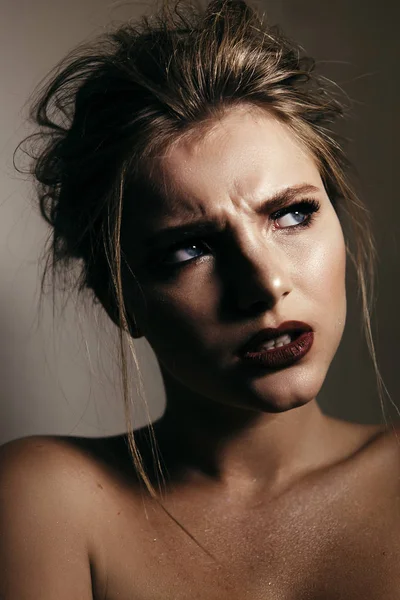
<point x="113" y="106"/>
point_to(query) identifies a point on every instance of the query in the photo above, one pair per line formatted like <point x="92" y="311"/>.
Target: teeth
<point x="282" y="340"/>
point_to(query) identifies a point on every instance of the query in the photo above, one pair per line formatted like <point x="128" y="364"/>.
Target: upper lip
<point x="271" y="332"/>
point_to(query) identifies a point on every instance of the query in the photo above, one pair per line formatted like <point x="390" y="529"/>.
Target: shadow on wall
<point x="19" y="392"/>
<point x="350" y="389"/>
<point x="63" y="379"/>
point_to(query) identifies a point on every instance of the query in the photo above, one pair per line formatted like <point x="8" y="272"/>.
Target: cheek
<point x="176" y="315"/>
<point x="326" y="277"/>
<point x="192" y="297"/>
<point x="324" y="265"/>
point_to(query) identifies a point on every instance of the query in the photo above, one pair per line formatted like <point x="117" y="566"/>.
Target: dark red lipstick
<point x="302" y="338"/>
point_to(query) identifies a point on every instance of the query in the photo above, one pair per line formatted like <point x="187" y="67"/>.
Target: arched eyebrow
<point x="205" y="227"/>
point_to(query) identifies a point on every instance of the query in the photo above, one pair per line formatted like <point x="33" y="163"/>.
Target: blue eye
<point x="302" y="214"/>
<point x="293" y="217"/>
<point x="298" y="215"/>
<point x="181" y="249"/>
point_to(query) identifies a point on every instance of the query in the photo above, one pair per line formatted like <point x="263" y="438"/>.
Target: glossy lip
<point x="269" y="333"/>
<point x="282" y="357"/>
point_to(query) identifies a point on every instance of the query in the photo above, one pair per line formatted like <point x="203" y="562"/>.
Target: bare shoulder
<point x="69" y="474"/>
<point x="377" y="462"/>
<point x="50" y="464"/>
<point x="49" y="489"/>
<point x="371" y="454"/>
<point x="382" y="442"/>
<point x="387" y="449"/>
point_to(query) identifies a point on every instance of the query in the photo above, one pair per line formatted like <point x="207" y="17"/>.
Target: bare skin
<point x="287" y="503"/>
<point x="331" y="534"/>
<point x="85" y="529"/>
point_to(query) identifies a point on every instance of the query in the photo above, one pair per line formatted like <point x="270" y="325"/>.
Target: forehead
<point x="243" y="158"/>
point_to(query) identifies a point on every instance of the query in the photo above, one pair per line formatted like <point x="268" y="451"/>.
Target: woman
<point x="190" y="171"/>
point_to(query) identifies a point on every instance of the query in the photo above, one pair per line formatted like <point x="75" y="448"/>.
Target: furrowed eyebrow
<point x="208" y="227"/>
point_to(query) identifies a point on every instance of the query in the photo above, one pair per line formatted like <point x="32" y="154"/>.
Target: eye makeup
<point x="307" y="207"/>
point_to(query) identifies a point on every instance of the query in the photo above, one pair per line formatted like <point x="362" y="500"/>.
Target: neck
<point x="235" y="446"/>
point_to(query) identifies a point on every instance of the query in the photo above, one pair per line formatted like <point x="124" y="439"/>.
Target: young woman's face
<point x="207" y="293"/>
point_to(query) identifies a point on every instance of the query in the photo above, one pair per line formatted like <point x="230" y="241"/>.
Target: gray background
<point x="58" y="372"/>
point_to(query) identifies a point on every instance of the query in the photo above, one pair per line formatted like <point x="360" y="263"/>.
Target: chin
<point x="286" y="391"/>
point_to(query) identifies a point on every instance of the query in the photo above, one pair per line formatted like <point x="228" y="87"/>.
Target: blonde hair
<point x="112" y="106"/>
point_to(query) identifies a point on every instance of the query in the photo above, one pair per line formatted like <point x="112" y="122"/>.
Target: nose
<point x="261" y="275"/>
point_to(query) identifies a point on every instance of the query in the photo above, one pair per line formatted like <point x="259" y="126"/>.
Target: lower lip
<point x="284" y="356"/>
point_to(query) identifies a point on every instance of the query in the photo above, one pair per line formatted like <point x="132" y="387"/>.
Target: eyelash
<point x="307" y="206"/>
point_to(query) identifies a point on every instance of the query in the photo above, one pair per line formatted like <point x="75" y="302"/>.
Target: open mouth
<point x="277" y="347"/>
<point x="279" y="341"/>
<point x="272" y="339"/>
